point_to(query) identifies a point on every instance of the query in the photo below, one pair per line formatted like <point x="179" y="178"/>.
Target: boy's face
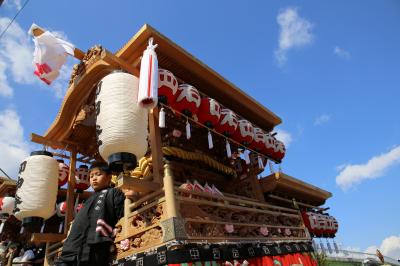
<point x="99" y="179"/>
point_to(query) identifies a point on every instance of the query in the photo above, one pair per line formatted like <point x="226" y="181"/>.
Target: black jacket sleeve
<point x="119" y="199"/>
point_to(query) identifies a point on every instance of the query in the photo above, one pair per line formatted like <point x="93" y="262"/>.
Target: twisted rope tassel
<point x="228" y="149"/>
<point x="188" y="133"/>
<point x="161" y="121"/>
<point x="210" y="141"/>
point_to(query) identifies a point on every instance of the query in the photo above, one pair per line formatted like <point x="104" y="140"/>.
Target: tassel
<point x="246" y="156"/>
<point x="21" y="231"/>
<point x="1" y="227"/>
<point x="148" y="81"/>
<point x="188" y="133"/>
<point x="228" y="149"/>
<point x="210" y="141"/>
<point x="260" y="163"/>
<point x="161" y="119"/>
<point x="328" y="245"/>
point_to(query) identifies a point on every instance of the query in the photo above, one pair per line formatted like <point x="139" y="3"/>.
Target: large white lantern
<point x="121" y="124"/>
<point x="37" y="188"/>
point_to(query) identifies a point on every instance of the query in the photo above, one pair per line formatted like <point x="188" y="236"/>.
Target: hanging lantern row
<point x="186" y="99"/>
<point x="320" y="225"/>
<point x="82" y="181"/>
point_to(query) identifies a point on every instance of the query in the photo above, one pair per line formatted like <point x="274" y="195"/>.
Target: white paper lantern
<point x="121" y="124"/>
<point x="7" y="205"/>
<point x="37" y="187"/>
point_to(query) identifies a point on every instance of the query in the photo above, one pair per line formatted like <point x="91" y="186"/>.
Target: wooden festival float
<point x="193" y="160"/>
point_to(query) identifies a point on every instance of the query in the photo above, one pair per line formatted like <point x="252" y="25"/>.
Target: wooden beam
<point x="78" y="54"/>
<point x="70" y="192"/>
<point x="155" y="146"/>
<point x="138" y="185"/>
<point x="51" y="143"/>
<point x="119" y="63"/>
<point x="171" y="204"/>
<point x="47" y="237"/>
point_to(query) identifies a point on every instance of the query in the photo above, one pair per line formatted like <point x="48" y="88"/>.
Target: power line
<point x="9" y="24"/>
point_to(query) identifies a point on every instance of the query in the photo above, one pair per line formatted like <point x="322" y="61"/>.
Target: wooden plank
<point x="265" y="239"/>
<point x="145" y="198"/>
<point x="70" y="192"/>
<point x="47" y="237"/>
<point x="291" y="201"/>
<point x="241" y="224"/>
<point x="133" y="231"/>
<point x="51" y="143"/>
<point x="155" y="146"/>
<point x="233" y="207"/>
<point x="240" y="201"/>
<point x="148" y="206"/>
<point x="138" y="185"/>
<point x="119" y="63"/>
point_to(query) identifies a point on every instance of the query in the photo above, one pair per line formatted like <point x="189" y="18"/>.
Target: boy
<point x="90" y="237"/>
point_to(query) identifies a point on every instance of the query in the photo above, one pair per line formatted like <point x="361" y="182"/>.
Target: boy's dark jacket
<point x="107" y="204"/>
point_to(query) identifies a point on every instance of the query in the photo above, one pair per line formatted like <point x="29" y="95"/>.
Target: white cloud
<point x="16" y="54"/>
<point x="322" y="119"/>
<point x="284" y="136"/>
<point x="341" y="53"/>
<point x="352" y="175"/>
<point x="13" y="4"/>
<point x="295" y="31"/>
<point x="13" y="147"/>
<point x="390" y="247"/>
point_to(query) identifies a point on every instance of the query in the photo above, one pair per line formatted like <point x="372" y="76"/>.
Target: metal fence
<point x="348" y="255"/>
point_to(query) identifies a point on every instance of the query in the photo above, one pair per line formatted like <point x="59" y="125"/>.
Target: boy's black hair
<point x="102" y="166"/>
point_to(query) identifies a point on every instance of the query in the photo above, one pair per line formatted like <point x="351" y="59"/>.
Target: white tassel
<point x="21" y="231"/>
<point x="188" y="133"/>
<point x="2" y="226"/>
<point x="228" y="149"/>
<point x="210" y="141"/>
<point x="60" y="227"/>
<point x="335" y="246"/>
<point x="148" y="82"/>
<point x="246" y="156"/>
<point x="260" y="163"/>
<point x="161" y="119"/>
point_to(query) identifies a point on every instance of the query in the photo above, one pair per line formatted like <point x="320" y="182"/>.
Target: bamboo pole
<point x="70" y="192"/>
<point x="170" y="201"/>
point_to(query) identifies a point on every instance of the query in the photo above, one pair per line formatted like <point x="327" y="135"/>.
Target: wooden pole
<point x="78" y="54"/>
<point x="70" y="192"/>
<point x="170" y="202"/>
<point x="155" y="145"/>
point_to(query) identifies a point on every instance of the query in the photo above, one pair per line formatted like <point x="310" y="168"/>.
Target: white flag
<point x="50" y="55"/>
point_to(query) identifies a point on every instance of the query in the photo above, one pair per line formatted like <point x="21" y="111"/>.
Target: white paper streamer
<point x="188" y="133"/>
<point x="228" y="149"/>
<point x="328" y="246"/>
<point x="161" y="118"/>
<point x="21" y="231"/>
<point x="60" y="227"/>
<point x="335" y="246"/>
<point x="260" y="163"/>
<point x="42" y="228"/>
<point x="210" y="141"/>
<point x="246" y="156"/>
<point x="1" y="227"/>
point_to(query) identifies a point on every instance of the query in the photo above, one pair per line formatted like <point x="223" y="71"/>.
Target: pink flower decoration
<point x="264" y="231"/>
<point x="288" y="232"/>
<point x="125" y="244"/>
<point x="176" y="133"/>
<point x="229" y="228"/>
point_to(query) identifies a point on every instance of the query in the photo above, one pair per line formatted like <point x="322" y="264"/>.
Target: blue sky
<point x="330" y="70"/>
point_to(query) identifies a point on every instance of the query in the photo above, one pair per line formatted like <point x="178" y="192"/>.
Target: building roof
<point x="170" y="56"/>
<point x="283" y="184"/>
